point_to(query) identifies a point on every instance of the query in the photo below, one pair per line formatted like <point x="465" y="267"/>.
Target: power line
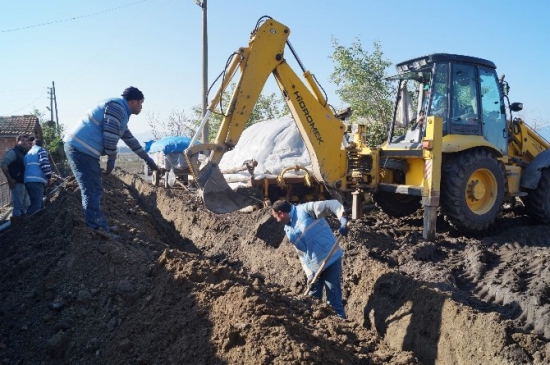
<point x="29" y="104"/>
<point x="74" y="18"/>
<point x="93" y="61"/>
<point x="20" y="90"/>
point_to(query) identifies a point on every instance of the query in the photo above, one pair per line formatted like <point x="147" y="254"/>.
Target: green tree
<point x="360" y="78"/>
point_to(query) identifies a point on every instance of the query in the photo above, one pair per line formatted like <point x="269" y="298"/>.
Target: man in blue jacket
<point x="95" y="135"/>
<point x="37" y="175"/>
<point x="309" y="232"/>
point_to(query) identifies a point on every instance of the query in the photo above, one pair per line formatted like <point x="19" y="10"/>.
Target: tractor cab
<point x="464" y="91"/>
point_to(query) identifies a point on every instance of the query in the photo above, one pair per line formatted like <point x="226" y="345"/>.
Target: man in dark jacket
<point x="13" y="166"/>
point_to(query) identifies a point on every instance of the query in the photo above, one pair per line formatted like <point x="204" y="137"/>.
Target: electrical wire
<point x="92" y="63"/>
<point x="29" y="104"/>
<point x="102" y="51"/>
<point x="11" y="91"/>
<point x="69" y="19"/>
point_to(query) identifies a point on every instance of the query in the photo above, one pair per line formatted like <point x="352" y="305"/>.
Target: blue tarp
<point x="147" y="145"/>
<point x="176" y="144"/>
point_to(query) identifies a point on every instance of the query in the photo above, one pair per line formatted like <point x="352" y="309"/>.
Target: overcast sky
<point x="92" y="50"/>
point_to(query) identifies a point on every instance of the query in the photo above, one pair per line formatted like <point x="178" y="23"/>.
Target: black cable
<point x="69" y="19"/>
<point x="222" y="74"/>
<point x="260" y="21"/>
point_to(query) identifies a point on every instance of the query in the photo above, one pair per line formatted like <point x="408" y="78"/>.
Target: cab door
<point x="492" y="107"/>
<point x="465" y="112"/>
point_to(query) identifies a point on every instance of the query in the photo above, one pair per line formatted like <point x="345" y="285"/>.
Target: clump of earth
<point x="182" y="285"/>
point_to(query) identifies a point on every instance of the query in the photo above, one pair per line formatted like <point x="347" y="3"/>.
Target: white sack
<point x="275" y="144"/>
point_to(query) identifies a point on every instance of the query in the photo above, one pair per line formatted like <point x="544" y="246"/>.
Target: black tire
<point x="537" y="202"/>
<point x="155" y="178"/>
<point x="397" y="205"/>
<point x="472" y="190"/>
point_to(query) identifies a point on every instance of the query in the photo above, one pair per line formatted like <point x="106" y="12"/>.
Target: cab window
<point x="465" y="110"/>
<point x="439" y="97"/>
<point x="494" y="121"/>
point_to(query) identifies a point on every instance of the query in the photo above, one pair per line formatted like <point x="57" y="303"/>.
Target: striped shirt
<point x="114" y="113"/>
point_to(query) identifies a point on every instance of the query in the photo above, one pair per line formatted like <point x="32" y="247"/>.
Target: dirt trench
<point x="184" y="286"/>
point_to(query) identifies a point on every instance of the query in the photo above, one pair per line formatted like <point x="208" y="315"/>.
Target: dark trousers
<point x="36" y="195"/>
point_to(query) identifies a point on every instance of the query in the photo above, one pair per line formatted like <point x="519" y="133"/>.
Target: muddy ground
<point x="184" y="286"/>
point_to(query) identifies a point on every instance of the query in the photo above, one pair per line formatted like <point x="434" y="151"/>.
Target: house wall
<point x="6" y="144"/>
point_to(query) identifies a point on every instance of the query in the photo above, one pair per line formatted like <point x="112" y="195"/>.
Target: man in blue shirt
<point x="95" y="135"/>
<point x="37" y="175"/>
<point x="309" y="232"/>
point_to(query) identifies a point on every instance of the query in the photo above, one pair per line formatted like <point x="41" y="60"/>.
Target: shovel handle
<point x="323" y="264"/>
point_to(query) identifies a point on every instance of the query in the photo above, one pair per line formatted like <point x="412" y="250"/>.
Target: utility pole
<point x="55" y="104"/>
<point x="50" y="91"/>
<point x="53" y="101"/>
<point x="203" y="5"/>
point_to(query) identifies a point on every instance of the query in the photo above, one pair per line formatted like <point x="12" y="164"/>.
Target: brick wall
<point x="6" y="143"/>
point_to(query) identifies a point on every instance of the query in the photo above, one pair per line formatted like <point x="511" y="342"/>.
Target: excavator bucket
<point x="216" y="193"/>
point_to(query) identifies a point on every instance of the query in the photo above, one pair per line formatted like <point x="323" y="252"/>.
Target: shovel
<point x="322" y="267"/>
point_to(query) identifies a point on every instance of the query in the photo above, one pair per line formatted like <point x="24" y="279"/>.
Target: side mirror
<point x="516" y="107"/>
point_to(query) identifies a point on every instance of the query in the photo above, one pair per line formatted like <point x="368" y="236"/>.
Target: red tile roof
<point x="20" y="124"/>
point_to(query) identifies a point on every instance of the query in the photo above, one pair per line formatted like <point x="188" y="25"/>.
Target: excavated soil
<point x="184" y="286"/>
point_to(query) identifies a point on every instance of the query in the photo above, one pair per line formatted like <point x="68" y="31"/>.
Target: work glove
<point x="343" y="230"/>
<point x="110" y="166"/>
<point x="151" y="164"/>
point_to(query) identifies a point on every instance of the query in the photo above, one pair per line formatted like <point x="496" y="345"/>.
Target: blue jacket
<point x="88" y="137"/>
<point x="37" y="165"/>
<point x="311" y="234"/>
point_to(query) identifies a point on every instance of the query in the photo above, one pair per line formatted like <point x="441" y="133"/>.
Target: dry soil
<point x="182" y="285"/>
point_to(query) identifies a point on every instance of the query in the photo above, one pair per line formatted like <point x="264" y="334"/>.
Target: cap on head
<point x="132" y="93"/>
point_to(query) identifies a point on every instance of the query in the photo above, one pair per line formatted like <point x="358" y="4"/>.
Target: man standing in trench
<point x="309" y="232"/>
<point x="13" y="166"/>
<point x="97" y="134"/>
<point x="37" y="175"/>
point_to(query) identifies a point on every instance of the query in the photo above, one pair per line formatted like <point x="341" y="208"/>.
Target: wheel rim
<point x="481" y="191"/>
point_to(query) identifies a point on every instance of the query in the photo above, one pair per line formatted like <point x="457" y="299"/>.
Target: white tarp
<point x="275" y="144"/>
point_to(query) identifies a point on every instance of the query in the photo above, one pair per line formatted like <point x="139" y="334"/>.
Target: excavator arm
<point x="320" y="129"/>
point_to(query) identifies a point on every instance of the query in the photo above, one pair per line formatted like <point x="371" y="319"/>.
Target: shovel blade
<point x="218" y="197"/>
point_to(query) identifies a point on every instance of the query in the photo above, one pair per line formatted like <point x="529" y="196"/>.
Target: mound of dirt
<point x="184" y="286"/>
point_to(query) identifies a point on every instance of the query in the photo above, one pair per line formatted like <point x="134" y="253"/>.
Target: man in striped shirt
<point x="95" y="135"/>
<point x="37" y="175"/>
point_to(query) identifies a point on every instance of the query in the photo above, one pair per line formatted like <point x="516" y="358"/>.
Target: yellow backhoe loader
<point x="453" y="142"/>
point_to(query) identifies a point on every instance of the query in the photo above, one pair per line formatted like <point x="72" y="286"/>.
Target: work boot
<point x="15" y="221"/>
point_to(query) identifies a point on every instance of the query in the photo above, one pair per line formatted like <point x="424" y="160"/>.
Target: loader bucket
<point x="218" y="197"/>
